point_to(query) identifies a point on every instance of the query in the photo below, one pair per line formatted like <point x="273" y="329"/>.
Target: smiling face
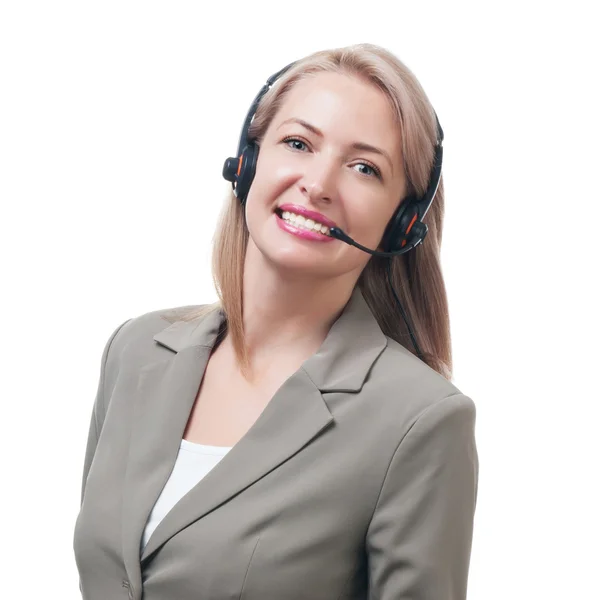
<point x="334" y="149"/>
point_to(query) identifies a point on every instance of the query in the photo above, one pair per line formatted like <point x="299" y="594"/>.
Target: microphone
<point x="419" y="236"/>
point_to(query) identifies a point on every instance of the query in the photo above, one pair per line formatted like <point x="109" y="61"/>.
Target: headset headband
<point x="240" y="170"/>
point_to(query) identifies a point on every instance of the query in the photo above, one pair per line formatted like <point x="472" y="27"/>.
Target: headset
<point x="405" y="230"/>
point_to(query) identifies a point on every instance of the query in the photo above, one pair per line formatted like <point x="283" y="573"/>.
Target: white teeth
<point x="304" y="223"/>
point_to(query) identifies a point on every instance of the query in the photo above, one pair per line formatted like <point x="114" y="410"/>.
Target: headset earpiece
<point x="240" y="171"/>
<point x="231" y="168"/>
<point x="404" y="227"/>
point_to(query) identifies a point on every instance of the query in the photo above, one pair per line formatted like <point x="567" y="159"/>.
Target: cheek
<point x="370" y="217"/>
<point x="270" y="182"/>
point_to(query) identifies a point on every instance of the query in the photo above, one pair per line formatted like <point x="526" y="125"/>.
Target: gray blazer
<point x="358" y="480"/>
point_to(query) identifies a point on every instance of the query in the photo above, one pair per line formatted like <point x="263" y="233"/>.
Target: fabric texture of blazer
<point x="357" y="481"/>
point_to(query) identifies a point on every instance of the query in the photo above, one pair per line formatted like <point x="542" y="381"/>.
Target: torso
<point x="226" y="405"/>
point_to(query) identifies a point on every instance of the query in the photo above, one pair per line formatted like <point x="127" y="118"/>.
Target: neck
<point x="287" y="315"/>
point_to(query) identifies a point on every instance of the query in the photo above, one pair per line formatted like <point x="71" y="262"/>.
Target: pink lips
<point x="309" y="214"/>
<point x="315" y="236"/>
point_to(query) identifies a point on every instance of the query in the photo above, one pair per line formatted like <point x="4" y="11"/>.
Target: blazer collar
<point x="342" y="362"/>
<point x="162" y="394"/>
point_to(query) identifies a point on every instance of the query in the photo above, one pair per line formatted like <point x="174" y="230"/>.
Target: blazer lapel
<point x="295" y="415"/>
<point x="162" y="402"/>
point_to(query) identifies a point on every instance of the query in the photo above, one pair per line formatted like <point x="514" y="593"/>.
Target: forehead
<point x="343" y="107"/>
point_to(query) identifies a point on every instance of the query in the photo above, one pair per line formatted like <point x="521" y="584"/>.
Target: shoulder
<point x="400" y="369"/>
<point x="131" y="344"/>
<point x="402" y="390"/>
<point x="133" y="340"/>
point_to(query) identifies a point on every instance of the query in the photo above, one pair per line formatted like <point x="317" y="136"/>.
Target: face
<point x="333" y="149"/>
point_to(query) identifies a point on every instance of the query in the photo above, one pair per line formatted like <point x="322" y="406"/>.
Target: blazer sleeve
<point x="420" y="536"/>
<point x="98" y="412"/>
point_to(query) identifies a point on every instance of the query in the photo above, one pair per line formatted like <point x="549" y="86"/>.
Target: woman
<point x="298" y="439"/>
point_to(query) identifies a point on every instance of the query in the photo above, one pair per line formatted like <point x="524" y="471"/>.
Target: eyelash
<point x="368" y="164"/>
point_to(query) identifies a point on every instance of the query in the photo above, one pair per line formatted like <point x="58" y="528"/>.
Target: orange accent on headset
<point x="408" y="229"/>
<point x="240" y="165"/>
<point x="411" y="223"/>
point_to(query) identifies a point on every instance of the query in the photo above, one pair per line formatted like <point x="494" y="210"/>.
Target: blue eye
<point x="293" y="139"/>
<point x="374" y="170"/>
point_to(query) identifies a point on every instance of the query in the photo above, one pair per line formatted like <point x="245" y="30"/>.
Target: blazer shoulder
<point x="403" y="387"/>
<point x="408" y="369"/>
<point x="133" y="340"/>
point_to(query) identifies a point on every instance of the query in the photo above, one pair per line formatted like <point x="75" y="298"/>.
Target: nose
<point x="320" y="179"/>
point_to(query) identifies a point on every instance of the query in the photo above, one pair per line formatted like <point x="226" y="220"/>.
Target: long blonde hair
<point x="416" y="275"/>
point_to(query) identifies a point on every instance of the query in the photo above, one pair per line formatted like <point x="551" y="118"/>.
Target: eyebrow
<point x="355" y="145"/>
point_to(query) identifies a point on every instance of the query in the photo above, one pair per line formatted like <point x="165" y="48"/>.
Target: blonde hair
<point x="416" y="275"/>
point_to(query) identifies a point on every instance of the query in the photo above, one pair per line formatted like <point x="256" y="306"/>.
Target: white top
<point x="193" y="462"/>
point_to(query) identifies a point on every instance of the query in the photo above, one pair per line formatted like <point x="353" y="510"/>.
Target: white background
<point x="115" y="119"/>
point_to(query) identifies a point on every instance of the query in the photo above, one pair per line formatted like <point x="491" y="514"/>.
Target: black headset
<point x="405" y="230"/>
